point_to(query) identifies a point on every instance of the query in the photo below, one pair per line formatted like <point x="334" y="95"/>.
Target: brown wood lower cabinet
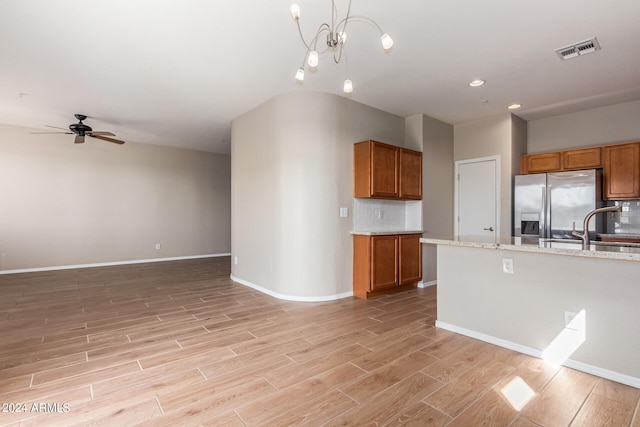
<point x="386" y="263"/>
<point x="410" y="264"/>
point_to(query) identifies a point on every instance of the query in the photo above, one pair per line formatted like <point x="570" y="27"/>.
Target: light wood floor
<point x="178" y="343"/>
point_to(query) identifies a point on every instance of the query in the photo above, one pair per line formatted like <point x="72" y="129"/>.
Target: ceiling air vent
<point x="578" y="49"/>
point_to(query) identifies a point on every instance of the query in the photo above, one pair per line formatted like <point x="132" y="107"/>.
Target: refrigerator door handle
<point x="543" y="222"/>
<point x="549" y="234"/>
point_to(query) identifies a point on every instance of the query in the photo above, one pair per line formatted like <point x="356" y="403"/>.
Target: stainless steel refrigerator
<point x="550" y="205"/>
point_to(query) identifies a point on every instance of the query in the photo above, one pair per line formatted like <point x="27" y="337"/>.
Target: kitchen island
<point x="516" y="296"/>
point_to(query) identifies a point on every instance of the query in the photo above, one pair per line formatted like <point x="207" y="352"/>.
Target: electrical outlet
<point x="568" y="318"/>
<point x="380" y="214"/>
<point x="235" y="260"/>
<point x="158" y="246"/>
<point x="344" y="212"/>
<point x="507" y="265"/>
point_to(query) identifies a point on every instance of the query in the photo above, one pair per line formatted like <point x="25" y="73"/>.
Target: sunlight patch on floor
<point x="518" y="393"/>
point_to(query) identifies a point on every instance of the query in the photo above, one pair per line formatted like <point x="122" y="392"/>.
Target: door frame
<point x="456" y="198"/>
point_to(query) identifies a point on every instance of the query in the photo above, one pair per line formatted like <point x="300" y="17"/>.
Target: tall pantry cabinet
<point x="386" y="261"/>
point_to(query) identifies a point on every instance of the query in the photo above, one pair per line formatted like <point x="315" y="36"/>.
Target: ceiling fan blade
<point x="101" y="133"/>
<point x="79" y="139"/>
<point x="56" y="127"/>
<point x="104" y="138"/>
<point x="35" y="133"/>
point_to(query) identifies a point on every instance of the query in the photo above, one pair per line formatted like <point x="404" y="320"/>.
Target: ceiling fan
<point x="81" y="130"/>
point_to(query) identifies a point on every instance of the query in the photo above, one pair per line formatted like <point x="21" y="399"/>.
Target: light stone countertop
<point x="385" y="233"/>
<point x="620" y="236"/>
<point x="554" y="248"/>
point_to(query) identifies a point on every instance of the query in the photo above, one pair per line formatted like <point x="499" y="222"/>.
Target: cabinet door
<point x="384" y="170"/>
<point x="584" y="158"/>
<point x="410" y="258"/>
<point x="384" y="262"/>
<point x="544" y="162"/>
<point x="621" y="177"/>
<point x="410" y="174"/>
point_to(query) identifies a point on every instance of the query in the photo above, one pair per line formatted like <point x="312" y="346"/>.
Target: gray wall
<point x="599" y="126"/>
<point x="503" y="136"/>
<point x="292" y="169"/>
<point x="435" y="139"/>
<point x="66" y="204"/>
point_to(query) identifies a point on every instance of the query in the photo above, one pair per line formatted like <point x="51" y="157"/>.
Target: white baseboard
<point x="427" y="284"/>
<point x="107" y="264"/>
<point x="579" y="366"/>
<point x="291" y="297"/>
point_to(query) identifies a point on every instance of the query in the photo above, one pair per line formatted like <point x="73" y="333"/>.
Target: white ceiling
<point x="177" y="72"/>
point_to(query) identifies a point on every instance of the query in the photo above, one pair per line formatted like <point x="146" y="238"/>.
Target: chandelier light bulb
<point x="348" y="86"/>
<point x="295" y="12"/>
<point x="313" y="59"/>
<point x="300" y="75"/>
<point x="387" y="41"/>
<point x="342" y="37"/>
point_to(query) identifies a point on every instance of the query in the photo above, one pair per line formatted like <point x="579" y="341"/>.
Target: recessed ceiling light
<point x="476" y="83"/>
<point x="514" y="106"/>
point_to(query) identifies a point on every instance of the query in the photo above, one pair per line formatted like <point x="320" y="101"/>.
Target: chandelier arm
<point x="343" y="20"/>
<point x="346" y="19"/>
<point x="314" y="43"/>
<point x="346" y="61"/>
<point x="301" y="36"/>
<point x="334" y="14"/>
<point x="337" y="56"/>
<point x="321" y="29"/>
<point x="363" y="19"/>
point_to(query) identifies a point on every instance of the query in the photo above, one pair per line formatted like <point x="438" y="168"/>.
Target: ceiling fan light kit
<point x="336" y="36"/>
<point x="80" y="130"/>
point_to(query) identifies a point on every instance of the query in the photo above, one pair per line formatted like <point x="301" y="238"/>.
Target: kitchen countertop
<point x="385" y="233"/>
<point x="570" y="248"/>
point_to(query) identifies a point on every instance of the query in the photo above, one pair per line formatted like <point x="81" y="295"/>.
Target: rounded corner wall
<point x="291" y="171"/>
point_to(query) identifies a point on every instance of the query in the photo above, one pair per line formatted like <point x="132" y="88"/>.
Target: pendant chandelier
<point x="336" y="39"/>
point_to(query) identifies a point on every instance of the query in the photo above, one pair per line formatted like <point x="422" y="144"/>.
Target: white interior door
<point x="477" y="200"/>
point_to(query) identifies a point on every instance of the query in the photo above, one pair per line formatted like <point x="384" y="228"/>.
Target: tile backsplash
<point x="629" y="220"/>
<point x="386" y="215"/>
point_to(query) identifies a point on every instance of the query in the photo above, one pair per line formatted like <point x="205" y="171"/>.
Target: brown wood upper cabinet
<point x="583" y="158"/>
<point x="621" y="172"/>
<point x="620" y="164"/>
<point x="410" y="174"/>
<point x="385" y="171"/>
<point x="543" y="162"/>
<point x="556" y="161"/>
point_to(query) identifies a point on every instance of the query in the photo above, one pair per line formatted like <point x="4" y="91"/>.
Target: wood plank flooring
<point x="178" y="343"/>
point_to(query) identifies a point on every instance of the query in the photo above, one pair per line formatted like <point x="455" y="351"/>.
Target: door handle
<point x="488" y="229"/>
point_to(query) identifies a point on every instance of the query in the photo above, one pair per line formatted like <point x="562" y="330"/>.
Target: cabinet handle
<point x="488" y="229"/>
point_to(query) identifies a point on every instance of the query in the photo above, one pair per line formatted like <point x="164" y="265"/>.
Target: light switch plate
<point x="344" y="212"/>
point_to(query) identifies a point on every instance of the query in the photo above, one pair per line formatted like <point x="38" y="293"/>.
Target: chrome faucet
<point x="585" y="226"/>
